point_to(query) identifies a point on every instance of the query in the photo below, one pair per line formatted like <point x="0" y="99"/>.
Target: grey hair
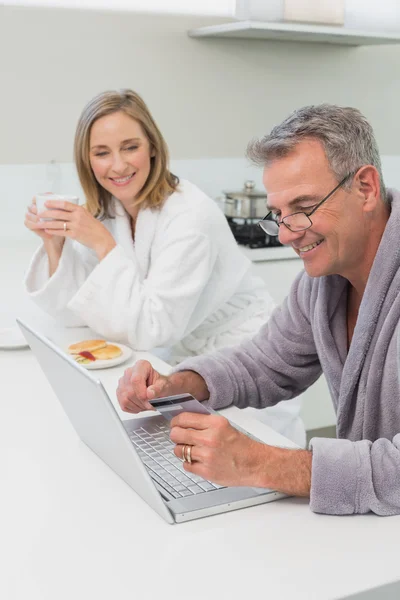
<point x="347" y="138"/>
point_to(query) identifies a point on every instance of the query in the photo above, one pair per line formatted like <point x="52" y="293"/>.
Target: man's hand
<point x="142" y="383"/>
<point x="222" y="454"/>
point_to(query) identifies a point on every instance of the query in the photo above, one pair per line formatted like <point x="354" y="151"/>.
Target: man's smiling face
<point x="334" y="243"/>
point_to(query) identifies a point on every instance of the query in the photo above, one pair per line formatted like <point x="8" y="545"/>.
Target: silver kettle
<point x="245" y="204"/>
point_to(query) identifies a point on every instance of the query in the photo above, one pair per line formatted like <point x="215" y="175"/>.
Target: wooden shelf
<point x="293" y="32"/>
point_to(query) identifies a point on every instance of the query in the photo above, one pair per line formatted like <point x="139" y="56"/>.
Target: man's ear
<point x="367" y="184"/>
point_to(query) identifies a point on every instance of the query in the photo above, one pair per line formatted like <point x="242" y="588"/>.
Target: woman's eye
<point x="101" y="154"/>
<point x="130" y="148"/>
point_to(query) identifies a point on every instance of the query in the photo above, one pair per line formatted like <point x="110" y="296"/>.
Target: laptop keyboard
<point x="153" y="444"/>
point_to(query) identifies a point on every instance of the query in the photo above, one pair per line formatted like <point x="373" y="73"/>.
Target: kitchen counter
<point x="72" y="529"/>
<point x="269" y="254"/>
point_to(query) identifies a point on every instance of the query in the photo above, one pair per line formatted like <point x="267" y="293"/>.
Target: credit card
<point x="170" y="406"/>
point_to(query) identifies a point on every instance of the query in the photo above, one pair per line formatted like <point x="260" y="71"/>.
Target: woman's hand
<point x="219" y="452"/>
<point x="75" y="222"/>
<point x="31" y="219"/>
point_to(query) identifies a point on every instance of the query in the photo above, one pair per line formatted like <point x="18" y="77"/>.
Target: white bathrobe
<point x="183" y="285"/>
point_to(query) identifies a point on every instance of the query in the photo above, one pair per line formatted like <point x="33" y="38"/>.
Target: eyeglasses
<point x="298" y="221"/>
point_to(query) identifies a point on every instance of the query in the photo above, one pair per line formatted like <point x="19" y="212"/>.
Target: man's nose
<point x="287" y="236"/>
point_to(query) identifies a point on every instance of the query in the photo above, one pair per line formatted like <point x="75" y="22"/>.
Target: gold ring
<point x="65" y="226"/>
<point x="189" y="454"/>
<point x="183" y="454"/>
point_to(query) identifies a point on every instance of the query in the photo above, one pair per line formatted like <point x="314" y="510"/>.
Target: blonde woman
<point x="149" y="260"/>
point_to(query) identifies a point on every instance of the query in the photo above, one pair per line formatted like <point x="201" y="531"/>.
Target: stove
<point x="247" y="232"/>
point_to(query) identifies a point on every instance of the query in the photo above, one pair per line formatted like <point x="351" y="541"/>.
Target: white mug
<point x="42" y="198"/>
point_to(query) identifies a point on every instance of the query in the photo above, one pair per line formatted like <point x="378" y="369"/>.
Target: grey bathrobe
<point x="307" y="335"/>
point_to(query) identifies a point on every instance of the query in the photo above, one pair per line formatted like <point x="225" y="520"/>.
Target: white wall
<point x="208" y="96"/>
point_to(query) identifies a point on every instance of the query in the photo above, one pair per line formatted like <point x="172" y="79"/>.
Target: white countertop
<point x="70" y="528"/>
<point x="269" y="254"/>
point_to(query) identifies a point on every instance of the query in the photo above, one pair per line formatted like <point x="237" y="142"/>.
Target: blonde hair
<point x="160" y="183"/>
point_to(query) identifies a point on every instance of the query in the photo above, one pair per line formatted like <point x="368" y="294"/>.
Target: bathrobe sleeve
<point x="153" y="312"/>
<point x="52" y="294"/>
<point x="355" y="477"/>
<point x="278" y="363"/>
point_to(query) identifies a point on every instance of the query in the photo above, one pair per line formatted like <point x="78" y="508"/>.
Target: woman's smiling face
<point x="120" y="156"/>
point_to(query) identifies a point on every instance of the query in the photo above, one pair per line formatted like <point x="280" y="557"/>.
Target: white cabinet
<point x="278" y="267"/>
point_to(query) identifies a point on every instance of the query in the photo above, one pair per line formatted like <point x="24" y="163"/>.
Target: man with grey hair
<point x="327" y="199"/>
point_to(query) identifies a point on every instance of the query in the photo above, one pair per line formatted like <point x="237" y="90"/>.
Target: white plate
<point x="11" y="338"/>
<point x="112" y="362"/>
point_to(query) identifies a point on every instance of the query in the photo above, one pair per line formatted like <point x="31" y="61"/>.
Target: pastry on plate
<point x="107" y="352"/>
<point x="86" y="346"/>
<point x="89" y="351"/>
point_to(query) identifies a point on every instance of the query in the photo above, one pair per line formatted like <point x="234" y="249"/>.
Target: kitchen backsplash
<point x="20" y="182"/>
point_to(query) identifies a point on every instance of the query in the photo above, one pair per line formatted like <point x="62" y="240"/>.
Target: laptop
<point x="139" y="450"/>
